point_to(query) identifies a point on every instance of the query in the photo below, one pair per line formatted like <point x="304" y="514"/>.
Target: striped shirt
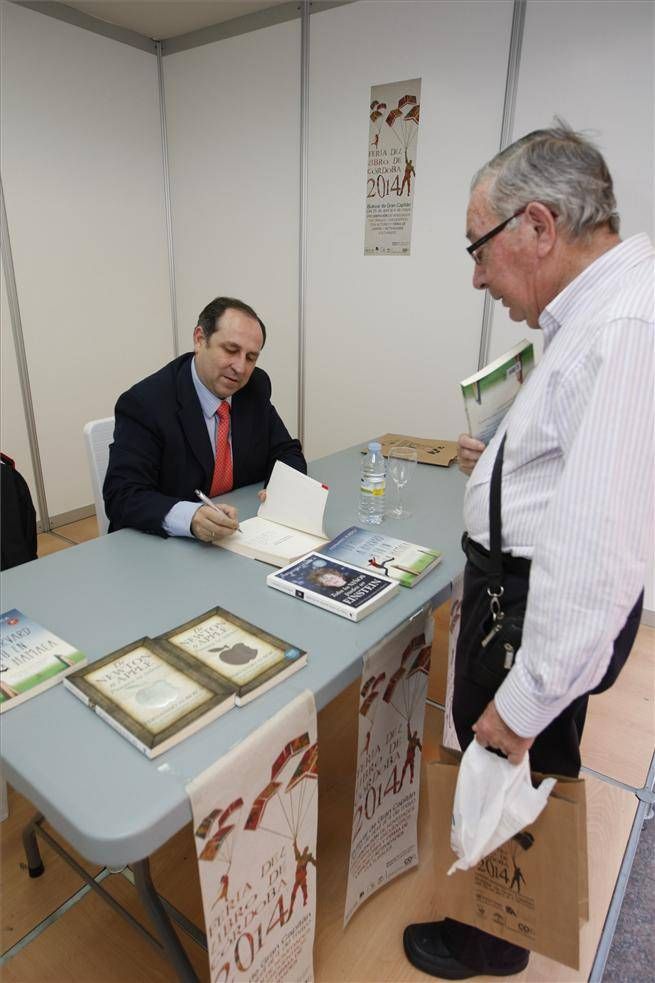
<point x="578" y="482"/>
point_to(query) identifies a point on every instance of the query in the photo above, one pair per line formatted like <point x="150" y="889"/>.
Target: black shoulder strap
<point x="496" y="568"/>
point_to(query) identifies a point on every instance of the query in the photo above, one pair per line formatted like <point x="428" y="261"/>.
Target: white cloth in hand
<point x="493" y="800"/>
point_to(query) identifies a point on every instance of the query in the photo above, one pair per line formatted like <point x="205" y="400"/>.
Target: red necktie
<point x="222" y="480"/>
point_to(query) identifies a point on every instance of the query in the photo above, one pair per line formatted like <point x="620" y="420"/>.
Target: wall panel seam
<point x="506" y="129"/>
<point x="167" y="196"/>
<point x="21" y="360"/>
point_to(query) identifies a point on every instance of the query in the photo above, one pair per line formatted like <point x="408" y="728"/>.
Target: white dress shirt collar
<point x="208" y="400"/>
<point x="574" y="297"/>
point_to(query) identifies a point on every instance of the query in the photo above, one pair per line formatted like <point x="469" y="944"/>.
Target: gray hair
<point x="561" y="169"/>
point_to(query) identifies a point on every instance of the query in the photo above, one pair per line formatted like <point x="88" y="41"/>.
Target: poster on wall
<point x="255" y="818"/>
<point x="392" y="141"/>
<point x="391" y="714"/>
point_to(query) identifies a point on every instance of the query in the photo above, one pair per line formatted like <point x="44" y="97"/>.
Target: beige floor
<point x="92" y="944"/>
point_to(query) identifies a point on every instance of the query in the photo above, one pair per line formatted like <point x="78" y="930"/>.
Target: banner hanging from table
<point x="392" y="144"/>
<point x="255" y="818"/>
<point x="391" y="713"/>
<point x="449" y="738"/>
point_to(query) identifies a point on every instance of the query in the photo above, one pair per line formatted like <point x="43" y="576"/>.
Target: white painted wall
<point x="593" y="64"/>
<point x="389" y="338"/>
<point x="82" y="173"/>
<point x="233" y="120"/>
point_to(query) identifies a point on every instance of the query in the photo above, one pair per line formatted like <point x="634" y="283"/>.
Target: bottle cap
<point x="375" y="445"/>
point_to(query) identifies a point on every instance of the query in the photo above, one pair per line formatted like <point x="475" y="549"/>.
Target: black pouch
<point x="502" y="628"/>
<point x="493" y="660"/>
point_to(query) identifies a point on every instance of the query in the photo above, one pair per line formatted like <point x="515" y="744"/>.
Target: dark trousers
<point x="556" y="749"/>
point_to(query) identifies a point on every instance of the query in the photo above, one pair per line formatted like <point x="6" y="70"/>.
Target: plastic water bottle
<point x="372" y="485"/>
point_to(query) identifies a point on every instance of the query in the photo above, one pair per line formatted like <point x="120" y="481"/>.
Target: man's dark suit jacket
<point x="162" y="452"/>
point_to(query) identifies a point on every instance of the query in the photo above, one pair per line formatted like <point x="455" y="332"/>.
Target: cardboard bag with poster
<point x="532" y="890"/>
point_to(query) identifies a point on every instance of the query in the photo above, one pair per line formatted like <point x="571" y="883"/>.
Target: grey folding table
<point x="111" y="803"/>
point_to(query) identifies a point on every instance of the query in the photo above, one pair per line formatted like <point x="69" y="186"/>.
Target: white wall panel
<point x="82" y="171"/>
<point x="389" y="338"/>
<point x="591" y="63"/>
<point x="233" y="119"/>
<point x="13" y="429"/>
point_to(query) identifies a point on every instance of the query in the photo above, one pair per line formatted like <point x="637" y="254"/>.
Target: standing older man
<point x="205" y="421"/>
<point x="576" y="480"/>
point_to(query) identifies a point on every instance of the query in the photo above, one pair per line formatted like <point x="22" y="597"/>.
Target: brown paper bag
<point x="429" y="450"/>
<point x="531" y="891"/>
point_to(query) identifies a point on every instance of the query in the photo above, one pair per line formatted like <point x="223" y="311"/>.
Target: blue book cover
<point x="339" y="587"/>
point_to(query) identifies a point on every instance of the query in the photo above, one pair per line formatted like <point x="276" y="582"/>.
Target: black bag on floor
<point x="18" y="518"/>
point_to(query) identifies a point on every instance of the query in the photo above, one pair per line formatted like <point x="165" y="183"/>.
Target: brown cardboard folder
<point x="429" y="450"/>
<point x="531" y="891"/>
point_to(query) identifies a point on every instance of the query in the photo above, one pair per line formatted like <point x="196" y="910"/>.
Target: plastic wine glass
<point x="401" y="463"/>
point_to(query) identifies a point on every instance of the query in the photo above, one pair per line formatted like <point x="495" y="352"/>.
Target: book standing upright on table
<point x="288" y="524"/>
<point x="32" y="659"/>
<point x="339" y="587"/>
<point x="489" y="393"/>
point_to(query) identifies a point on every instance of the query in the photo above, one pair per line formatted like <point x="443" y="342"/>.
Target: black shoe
<point x="425" y="949"/>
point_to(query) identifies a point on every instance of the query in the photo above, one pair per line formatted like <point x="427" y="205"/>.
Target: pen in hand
<point x="207" y="501"/>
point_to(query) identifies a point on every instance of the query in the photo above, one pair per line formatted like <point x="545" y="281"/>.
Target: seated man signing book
<point x="205" y="421"/>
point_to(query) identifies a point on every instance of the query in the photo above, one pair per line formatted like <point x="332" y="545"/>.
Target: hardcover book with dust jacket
<point x="339" y="587"/>
<point x="32" y="659"/>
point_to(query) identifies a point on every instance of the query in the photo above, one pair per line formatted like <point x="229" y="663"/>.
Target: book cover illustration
<point x="489" y="393"/>
<point x="336" y="581"/>
<point x="234" y="649"/>
<point x="31" y="658"/>
<point x="255" y="818"/>
<point x="394" y="558"/>
<point x="153" y="698"/>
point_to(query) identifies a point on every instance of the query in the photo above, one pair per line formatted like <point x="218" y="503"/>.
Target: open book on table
<point x="489" y="393"/>
<point x="288" y="524"/>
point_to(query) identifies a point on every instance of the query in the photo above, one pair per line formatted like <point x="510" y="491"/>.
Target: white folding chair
<point x="98" y="435"/>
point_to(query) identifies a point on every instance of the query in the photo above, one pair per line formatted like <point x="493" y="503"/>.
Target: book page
<point x="261" y="535"/>
<point x="233" y="652"/>
<point x="296" y="500"/>
<point x="148" y="689"/>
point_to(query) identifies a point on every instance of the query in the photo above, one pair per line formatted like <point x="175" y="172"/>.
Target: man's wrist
<point x="177" y="521"/>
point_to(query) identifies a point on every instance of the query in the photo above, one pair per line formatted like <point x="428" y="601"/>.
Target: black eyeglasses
<point x="473" y="248"/>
